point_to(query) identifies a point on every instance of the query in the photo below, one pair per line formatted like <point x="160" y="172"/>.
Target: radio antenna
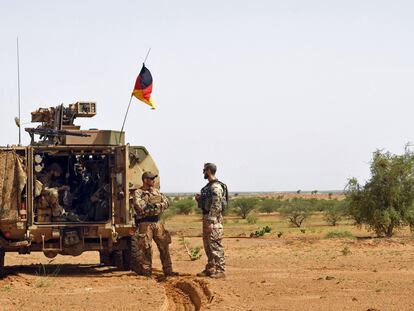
<point x="18" y="91"/>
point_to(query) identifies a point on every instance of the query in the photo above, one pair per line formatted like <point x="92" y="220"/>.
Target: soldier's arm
<point x="138" y="203"/>
<point x="164" y="203"/>
<point x="155" y="209"/>
<point x="216" y="200"/>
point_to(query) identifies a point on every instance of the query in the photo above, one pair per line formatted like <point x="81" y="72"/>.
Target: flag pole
<point x="149" y="50"/>
<point x="123" y="123"/>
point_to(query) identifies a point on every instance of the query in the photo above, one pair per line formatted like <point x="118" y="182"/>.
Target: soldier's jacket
<point x="211" y="203"/>
<point x="149" y="202"/>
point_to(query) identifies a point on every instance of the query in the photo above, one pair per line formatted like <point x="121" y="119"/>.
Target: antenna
<point x="18" y="91"/>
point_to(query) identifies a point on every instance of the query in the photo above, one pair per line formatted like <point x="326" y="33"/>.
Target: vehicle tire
<point x="126" y="256"/>
<point x="134" y="255"/>
<point x="105" y="258"/>
<point x="2" y="253"/>
<point x="117" y="259"/>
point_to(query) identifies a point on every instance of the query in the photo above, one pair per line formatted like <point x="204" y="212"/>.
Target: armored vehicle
<point x="68" y="191"/>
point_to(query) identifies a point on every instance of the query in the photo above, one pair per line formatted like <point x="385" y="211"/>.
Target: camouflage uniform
<point x="149" y="205"/>
<point x="211" y="203"/>
<point x="50" y="195"/>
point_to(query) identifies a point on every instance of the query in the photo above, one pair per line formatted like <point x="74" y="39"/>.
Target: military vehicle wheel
<point x="105" y="258"/>
<point x="126" y="256"/>
<point x="134" y="253"/>
<point x="117" y="259"/>
<point x="2" y="253"/>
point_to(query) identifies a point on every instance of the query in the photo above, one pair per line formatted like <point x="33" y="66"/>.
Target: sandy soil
<point x="292" y="272"/>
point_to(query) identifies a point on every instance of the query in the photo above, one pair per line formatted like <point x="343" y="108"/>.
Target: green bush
<point x="261" y="232"/>
<point x="269" y="205"/>
<point x="243" y="206"/>
<point x="386" y="201"/>
<point x="339" y="235"/>
<point x="297" y="211"/>
<point x="335" y="212"/>
<point x="193" y="252"/>
<point x="252" y="218"/>
<point x="184" y="206"/>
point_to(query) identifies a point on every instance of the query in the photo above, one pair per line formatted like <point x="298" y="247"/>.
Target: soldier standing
<point x="212" y="199"/>
<point x="149" y="204"/>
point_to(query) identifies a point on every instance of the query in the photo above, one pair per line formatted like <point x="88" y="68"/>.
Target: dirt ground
<point x="287" y="269"/>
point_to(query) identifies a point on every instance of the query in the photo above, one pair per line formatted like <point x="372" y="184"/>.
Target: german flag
<point x="143" y="87"/>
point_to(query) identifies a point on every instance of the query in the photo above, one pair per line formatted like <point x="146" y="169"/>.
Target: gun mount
<point x="57" y="127"/>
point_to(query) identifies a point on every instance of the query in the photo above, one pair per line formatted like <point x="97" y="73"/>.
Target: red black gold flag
<point x="143" y="87"/>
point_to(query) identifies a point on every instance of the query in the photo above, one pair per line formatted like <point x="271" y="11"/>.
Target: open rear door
<point x="120" y="201"/>
<point x="13" y="179"/>
<point x="139" y="161"/>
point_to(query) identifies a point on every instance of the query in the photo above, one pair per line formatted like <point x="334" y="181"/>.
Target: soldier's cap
<point x="132" y="186"/>
<point x="55" y="167"/>
<point x="149" y="175"/>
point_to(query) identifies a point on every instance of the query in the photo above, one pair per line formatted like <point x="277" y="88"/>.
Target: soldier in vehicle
<point x="149" y="204"/>
<point x="212" y="200"/>
<point x="52" y="185"/>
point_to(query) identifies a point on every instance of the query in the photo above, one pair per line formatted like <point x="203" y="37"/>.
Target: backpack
<point x="225" y="202"/>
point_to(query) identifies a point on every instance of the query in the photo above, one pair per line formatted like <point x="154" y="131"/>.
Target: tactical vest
<point x="207" y="195"/>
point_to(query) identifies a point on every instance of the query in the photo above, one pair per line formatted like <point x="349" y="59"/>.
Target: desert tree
<point x="269" y="205"/>
<point x="335" y="211"/>
<point x="385" y="202"/>
<point x="296" y="211"/>
<point x="184" y="206"/>
<point x="243" y="206"/>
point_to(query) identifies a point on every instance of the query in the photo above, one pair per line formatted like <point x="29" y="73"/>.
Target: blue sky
<point x="282" y="95"/>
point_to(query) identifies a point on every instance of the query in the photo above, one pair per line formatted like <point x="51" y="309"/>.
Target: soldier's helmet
<point x="149" y="175"/>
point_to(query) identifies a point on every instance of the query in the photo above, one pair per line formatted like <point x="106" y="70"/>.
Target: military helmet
<point x="149" y="175"/>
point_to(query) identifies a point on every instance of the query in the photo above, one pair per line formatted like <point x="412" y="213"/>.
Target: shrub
<point x="193" y="252"/>
<point x="269" y="205"/>
<point x="252" y="218"/>
<point x="335" y="212"/>
<point x="261" y="232"/>
<point x="184" y="206"/>
<point x="243" y="206"/>
<point x="297" y="211"/>
<point x="385" y="202"/>
<point x="339" y="235"/>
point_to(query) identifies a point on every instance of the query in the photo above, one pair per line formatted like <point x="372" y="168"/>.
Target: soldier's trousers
<point x="213" y="246"/>
<point x="146" y="232"/>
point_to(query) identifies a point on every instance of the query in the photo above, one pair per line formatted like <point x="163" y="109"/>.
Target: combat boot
<point x="204" y="273"/>
<point x="170" y="274"/>
<point x="217" y="275"/>
<point x="145" y="273"/>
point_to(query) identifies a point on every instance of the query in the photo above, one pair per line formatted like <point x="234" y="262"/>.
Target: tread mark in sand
<point x="186" y="294"/>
